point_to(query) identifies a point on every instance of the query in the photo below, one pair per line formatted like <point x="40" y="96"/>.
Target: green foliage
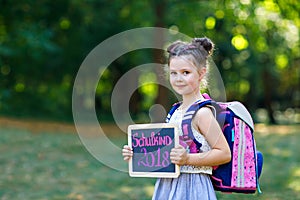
<point x="42" y="45"/>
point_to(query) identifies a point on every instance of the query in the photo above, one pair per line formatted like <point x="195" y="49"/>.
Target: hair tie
<point x="189" y="47"/>
<point x="171" y="51"/>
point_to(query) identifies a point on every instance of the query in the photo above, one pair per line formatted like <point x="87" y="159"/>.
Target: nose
<point x="179" y="77"/>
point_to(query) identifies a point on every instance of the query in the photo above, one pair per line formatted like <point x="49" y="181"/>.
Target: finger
<point x="127" y="147"/>
<point x="179" y="147"/>
<point x="173" y="157"/>
<point x="172" y="153"/>
<point x="126" y="150"/>
<point x="173" y="160"/>
<point x="127" y="153"/>
<point x="127" y="158"/>
<point x="174" y="150"/>
<point x="176" y="161"/>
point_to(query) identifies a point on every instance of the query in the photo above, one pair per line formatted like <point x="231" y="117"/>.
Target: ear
<point x="202" y="73"/>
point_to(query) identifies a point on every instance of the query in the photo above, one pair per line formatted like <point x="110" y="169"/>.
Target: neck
<point x="187" y="100"/>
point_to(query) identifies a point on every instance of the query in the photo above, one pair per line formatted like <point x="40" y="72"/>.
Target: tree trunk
<point x="268" y="85"/>
<point x="163" y="97"/>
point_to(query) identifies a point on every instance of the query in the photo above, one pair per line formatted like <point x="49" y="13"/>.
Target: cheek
<point x="193" y="81"/>
<point x="171" y="80"/>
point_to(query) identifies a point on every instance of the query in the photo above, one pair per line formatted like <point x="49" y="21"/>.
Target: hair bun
<point x="172" y="47"/>
<point x="206" y="43"/>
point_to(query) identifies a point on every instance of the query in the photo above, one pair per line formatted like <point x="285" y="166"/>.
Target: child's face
<point x="184" y="76"/>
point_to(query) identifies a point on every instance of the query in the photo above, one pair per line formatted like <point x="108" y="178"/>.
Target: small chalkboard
<point x="151" y="144"/>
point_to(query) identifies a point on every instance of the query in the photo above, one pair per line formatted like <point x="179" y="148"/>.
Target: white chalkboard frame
<point x="139" y="127"/>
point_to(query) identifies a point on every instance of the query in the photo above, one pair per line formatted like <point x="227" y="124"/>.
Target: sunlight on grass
<point x="75" y="196"/>
<point x="281" y="152"/>
<point x="264" y="129"/>
<point x="126" y="189"/>
<point x="56" y="166"/>
<point x="294" y="183"/>
<point x="149" y="190"/>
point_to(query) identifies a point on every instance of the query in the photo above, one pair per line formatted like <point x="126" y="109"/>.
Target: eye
<point x="186" y="72"/>
<point x="172" y="73"/>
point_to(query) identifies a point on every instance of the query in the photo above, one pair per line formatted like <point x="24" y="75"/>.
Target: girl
<point x="187" y="69"/>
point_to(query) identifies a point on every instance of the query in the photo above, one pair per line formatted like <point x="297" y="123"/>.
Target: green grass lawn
<point x="55" y="165"/>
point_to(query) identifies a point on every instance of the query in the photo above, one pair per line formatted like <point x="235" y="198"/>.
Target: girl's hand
<point x="178" y="155"/>
<point x="127" y="152"/>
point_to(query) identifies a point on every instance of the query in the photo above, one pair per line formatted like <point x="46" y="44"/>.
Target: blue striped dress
<point x="193" y="182"/>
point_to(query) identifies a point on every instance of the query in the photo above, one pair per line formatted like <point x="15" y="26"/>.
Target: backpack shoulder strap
<point x="172" y="110"/>
<point x="186" y="124"/>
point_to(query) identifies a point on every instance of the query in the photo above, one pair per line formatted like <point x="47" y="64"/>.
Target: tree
<point x="257" y="43"/>
<point x="42" y="45"/>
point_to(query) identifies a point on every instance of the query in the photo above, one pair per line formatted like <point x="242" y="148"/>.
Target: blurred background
<point x="43" y="43"/>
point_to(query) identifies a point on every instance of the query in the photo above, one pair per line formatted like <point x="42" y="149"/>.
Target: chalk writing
<point x="152" y="144"/>
<point x="154" y="140"/>
<point x="154" y="159"/>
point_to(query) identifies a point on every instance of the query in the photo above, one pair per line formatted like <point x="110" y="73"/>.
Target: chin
<point x="182" y="93"/>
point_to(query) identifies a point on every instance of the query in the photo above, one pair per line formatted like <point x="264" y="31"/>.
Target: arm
<point x="207" y="125"/>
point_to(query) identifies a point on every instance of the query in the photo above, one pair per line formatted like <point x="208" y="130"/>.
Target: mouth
<point x="179" y="86"/>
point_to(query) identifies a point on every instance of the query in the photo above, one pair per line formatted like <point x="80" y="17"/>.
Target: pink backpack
<point x="241" y="174"/>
